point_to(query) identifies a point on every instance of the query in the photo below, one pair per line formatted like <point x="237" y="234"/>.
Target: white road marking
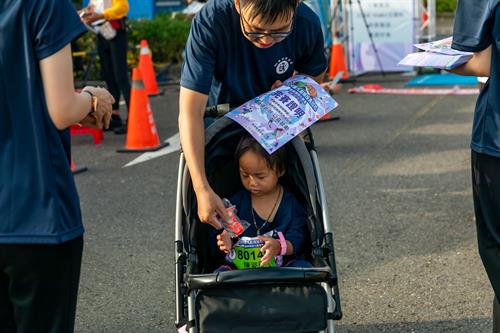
<point x="174" y="145"/>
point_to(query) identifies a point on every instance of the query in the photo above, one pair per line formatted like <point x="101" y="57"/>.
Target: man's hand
<point x="89" y="121"/>
<point x="478" y="65"/>
<point x="271" y="248"/>
<point x="89" y="16"/>
<point x="209" y="206"/>
<point x="276" y="84"/>
<point x="101" y="117"/>
<point x="224" y="241"/>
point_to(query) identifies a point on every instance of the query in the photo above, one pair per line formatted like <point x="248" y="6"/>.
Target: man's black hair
<point x="275" y="161"/>
<point x="270" y="10"/>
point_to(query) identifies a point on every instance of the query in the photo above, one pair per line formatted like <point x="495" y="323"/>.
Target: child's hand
<point x="224" y="241"/>
<point x="271" y="248"/>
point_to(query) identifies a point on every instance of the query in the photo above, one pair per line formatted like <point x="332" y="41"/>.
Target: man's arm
<point x="191" y="129"/>
<point x="192" y="134"/>
<point x="478" y="65"/>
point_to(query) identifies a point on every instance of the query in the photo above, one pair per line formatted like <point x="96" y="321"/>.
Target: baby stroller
<point x="272" y="299"/>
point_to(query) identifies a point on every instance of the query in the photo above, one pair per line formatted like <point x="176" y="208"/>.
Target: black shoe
<point x="116" y="122"/>
<point x="121" y="130"/>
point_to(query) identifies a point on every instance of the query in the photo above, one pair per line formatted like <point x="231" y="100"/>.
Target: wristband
<point x="283" y="244"/>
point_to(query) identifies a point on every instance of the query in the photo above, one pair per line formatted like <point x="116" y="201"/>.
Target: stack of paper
<point x="438" y="54"/>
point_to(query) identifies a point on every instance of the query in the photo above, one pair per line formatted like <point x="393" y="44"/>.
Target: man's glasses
<point x="277" y="36"/>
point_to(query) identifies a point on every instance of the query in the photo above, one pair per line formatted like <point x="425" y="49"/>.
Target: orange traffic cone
<point x="147" y="70"/>
<point x="76" y="170"/>
<point x="142" y="135"/>
<point x="328" y="117"/>
<point x="337" y="61"/>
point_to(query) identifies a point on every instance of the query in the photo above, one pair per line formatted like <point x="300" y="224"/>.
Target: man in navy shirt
<point x="40" y="221"/>
<point x="235" y="52"/>
<point x="477" y="29"/>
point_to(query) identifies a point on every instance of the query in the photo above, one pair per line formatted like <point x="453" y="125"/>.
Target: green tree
<point x="166" y="35"/>
<point x="446" y="6"/>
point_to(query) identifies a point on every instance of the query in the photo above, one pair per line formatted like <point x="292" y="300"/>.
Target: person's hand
<point x="271" y="248"/>
<point x="89" y="121"/>
<point x="209" y="206"/>
<point x="276" y="84"/>
<point x="224" y="241"/>
<point x="101" y="117"/>
<point x="89" y="16"/>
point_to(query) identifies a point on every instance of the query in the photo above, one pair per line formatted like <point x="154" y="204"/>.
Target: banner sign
<point x="391" y="23"/>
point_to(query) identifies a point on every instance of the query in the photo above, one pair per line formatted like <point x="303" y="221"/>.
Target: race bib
<point x="246" y="254"/>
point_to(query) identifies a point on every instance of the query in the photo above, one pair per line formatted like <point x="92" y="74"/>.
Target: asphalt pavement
<point x="396" y="171"/>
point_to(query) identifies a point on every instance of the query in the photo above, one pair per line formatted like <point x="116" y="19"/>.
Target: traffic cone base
<point x="328" y="117"/>
<point x="144" y="150"/>
<point x="76" y="170"/>
<point x="142" y="135"/>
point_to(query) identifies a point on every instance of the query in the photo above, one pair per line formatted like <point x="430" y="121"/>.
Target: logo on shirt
<point x="282" y="65"/>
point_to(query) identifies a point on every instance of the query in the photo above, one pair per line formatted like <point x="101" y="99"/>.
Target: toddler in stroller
<point x="284" y="299"/>
<point x="276" y="219"/>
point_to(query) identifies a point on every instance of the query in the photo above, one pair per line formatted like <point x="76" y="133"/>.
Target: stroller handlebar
<point x="217" y="111"/>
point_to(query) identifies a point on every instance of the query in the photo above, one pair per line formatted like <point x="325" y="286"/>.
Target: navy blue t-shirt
<point x="290" y="218"/>
<point x="38" y="198"/>
<point x="222" y="63"/>
<point x="477" y="25"/>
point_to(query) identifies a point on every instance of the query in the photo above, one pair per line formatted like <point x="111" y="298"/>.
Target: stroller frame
<point x="187" y="284"/>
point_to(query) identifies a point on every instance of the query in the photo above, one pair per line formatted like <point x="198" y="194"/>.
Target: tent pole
<point x="431" y="11"/>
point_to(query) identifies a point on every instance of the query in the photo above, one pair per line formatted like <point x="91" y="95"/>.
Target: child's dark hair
<point x="275" y="161"/>
<point x="270" y="10"/>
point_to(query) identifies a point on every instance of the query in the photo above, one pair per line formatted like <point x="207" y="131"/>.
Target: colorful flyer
<point x="276" y="117"/>
<point x="437" y="54"/>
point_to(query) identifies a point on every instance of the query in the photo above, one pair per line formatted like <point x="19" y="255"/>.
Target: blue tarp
<point x="442" y="80"/>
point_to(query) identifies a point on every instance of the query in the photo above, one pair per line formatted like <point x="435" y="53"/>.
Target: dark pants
<point x="114" y="68"/>
<point x="486" y="192"/>
<point x="39" y="286"/>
